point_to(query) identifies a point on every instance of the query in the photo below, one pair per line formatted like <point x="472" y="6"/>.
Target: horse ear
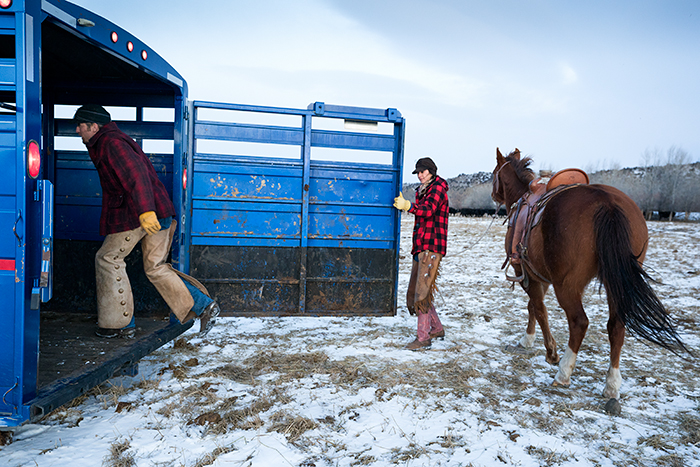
<point x="499" y="157"/>
<point x="516" y="153"/>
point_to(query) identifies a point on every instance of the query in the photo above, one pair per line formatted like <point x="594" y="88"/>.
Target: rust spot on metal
<point x="262" y="185"/>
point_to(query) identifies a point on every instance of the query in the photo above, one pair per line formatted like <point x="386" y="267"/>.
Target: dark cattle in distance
<point x="473" y="212"/>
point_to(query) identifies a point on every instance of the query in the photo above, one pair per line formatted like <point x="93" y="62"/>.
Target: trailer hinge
<point x="187" y="113"/>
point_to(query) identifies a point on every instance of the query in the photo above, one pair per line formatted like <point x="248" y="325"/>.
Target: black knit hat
<point x="91" y="113"/>
<point x="425" y="163"/>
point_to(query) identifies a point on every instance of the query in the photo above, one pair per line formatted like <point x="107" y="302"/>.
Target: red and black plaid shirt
<point x="130" y="185"/>
<point x="432" y="209"/>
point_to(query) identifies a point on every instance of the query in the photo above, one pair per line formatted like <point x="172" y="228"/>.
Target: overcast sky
<point x="592" y="84"/>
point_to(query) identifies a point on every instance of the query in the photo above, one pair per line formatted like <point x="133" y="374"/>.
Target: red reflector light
<point x="184" y="179"/>
<point x="115" y="37"/>
<point x="144" y="54"/>
<point x="130" y="46"/>
<point x="33" y="159"/>
<point x="5" y="3"/>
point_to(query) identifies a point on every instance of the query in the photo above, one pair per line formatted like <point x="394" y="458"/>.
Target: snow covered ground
<point x="343" y="392"/>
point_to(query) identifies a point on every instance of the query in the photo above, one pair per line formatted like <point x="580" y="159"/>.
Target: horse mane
<point x="521" y="166"/>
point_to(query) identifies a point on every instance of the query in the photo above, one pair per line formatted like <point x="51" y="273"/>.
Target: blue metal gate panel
<point x="327" y="228"/>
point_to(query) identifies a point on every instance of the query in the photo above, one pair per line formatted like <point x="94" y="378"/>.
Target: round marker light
<point x="33" y="159"/>
<point x="5" y="3"/>
<point x="144" y="54"/>
<point x="115" y="37"/>
<point x="130" y="46"/>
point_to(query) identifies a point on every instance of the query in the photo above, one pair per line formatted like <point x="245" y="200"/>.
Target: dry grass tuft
<point x="245" y="418"/>
<point x="451" y="441"/>
<point x="456" y="378"/>
<point x="210" y="458"/>
<point x="124" y="407"/>
<point x="549" y="457"/>
<point x="410" y="452"/>
<point x="148" y="384"/>
<point x="294" y="366"/>
<point x="118" y="455"/>
<point x="183" y="344"/>
<point x="208" y="417"/>
<point x="232" y="372"/>
<point x="179" y="371"/>
<point x="657" y="442"/>
<point x="690" y="429"/>
<point x="199" y="394"/>
<point x="291" y="426"/>
<point x="169" y="409"/>
<point x="671" y="460"/>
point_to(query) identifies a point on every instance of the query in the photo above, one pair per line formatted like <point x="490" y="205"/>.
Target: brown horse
<point x="585" y="231"/>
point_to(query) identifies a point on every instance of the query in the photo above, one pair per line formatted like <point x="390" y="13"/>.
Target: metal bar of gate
<point x="304" y="228"/>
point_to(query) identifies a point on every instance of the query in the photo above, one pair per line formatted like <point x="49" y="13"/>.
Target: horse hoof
<point x="553" y="360"/>
<point x="612" y="407"/>
<point x="557" y="383"/>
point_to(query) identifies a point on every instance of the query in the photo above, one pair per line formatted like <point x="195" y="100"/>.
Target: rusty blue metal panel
<point x="233" y="181"/>
<point x="245" y="221"/>
<point x="316" y="214"/>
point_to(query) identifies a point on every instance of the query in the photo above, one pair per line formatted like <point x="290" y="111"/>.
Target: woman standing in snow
<point x="431" y="209"/>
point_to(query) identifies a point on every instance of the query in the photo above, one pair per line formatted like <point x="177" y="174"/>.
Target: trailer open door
<point x="54" y="57"/>
<point x="291" y="209"/>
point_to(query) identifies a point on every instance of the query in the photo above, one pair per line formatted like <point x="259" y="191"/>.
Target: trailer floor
<point x="72" y="359"/>
<point x="69" y="345"/>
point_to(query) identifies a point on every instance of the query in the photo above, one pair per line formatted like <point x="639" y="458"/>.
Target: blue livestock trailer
<point x="281" y="211"/>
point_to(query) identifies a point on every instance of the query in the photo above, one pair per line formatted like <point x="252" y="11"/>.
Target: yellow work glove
<point x="149" y="222"/>
<point x="402" y="203"/>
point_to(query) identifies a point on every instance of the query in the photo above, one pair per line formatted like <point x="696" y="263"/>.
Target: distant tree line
<point x="663" y="185"/>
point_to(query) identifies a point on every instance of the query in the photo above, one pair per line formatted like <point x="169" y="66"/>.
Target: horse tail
<point x="630" y="296"/>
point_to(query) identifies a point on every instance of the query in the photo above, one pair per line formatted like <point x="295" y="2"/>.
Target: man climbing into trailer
<point x="135" y="208"/>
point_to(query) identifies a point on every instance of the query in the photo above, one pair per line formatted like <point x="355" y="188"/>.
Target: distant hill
<point x="656" y="188"/>
<point x="460" y="181"/>
<point x="466" y="190"/>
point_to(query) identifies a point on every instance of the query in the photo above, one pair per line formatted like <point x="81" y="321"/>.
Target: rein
<point x="495" y="183"/>
<point x="493" y="218"/>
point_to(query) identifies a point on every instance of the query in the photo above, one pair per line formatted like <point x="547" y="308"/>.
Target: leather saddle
<point x="527" y="213"/>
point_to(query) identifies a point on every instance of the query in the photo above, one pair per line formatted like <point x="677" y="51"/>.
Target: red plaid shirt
<point x="432" y="209"/>
<point x="129" y="182"/>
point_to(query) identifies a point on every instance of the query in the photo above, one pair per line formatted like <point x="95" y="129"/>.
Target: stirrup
<point x="519" y="278"/>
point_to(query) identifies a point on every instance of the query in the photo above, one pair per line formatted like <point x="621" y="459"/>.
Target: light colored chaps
<point x="115" y="302"/>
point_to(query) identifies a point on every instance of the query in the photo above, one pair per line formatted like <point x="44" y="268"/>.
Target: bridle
<point x="496" y="185"/>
